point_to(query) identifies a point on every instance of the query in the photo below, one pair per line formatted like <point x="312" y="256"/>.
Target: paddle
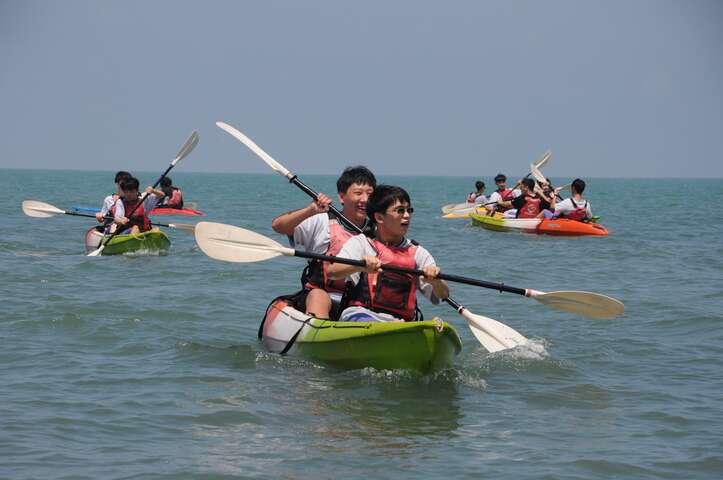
<point x="234" y="244"/>
<point x="277" y="167"/>
<point x="187" y="148"/>
<point x="34" y="208"/>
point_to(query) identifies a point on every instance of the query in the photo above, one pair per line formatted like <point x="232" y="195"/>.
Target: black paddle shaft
<point x="108" y="217"/>
<point x="308" y="190"/>
<point x="442" y="276"/>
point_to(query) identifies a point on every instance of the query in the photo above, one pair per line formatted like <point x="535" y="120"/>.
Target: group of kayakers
<point x="126" y="210"/>
<point x="370" y="293"/>
<point x="531" y="199"/>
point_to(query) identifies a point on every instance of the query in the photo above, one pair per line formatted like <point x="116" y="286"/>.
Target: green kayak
<point x="146" y="242"/>
<point x="422" y="346"/>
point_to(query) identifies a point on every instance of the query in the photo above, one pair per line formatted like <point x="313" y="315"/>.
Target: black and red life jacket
<point x="388" y="292"/>
<point x="579" y="213"/>
<point x="531" y="208"/>
<point x="176" y="199"/>
<point x="139" y="217"/>
<point x="316" y="274"/>
<point x="507" y="194"/>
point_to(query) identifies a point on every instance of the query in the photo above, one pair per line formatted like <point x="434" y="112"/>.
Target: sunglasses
<point x="401" y="210"/>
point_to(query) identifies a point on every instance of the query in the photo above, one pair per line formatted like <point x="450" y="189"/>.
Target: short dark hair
<point x="129" y="183"/>
<point x="500" y="177"/>
<point x="351" y="175"/>
<point x="120" y="176"/>
<point x="578" y="185"/>
<point x="479" y="185"/>
<point x="166" y="182"/>
<point x="383" y="197"/>
<point x="529" y="183"/>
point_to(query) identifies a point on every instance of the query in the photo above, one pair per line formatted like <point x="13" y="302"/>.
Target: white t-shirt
<point x="359" y="246"/>
<point x="481" y="199"/>
<point x="566" y="206"/>
<point x="313" y="233"/>
<point x="107" y="204"/>
<point x="148" y="204"/>
<point x="496" y="197"/>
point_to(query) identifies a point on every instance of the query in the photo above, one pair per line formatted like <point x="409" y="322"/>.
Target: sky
<point x="614" y="88"/>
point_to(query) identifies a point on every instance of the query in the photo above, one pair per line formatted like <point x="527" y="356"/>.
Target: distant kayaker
<point x="174" y="196"/>
<point x="575" y="207"/>
<point x="529" y="204"/>
<point x="501" y="194"/>
<point x="375" y="294"/>
<point x="109" y="201"/>
<point x="139" y="221"/>
<point x="478" y="195"/>
<point x="320" y="232"/>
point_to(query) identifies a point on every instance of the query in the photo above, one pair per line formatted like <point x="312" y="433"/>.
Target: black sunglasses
<point x="401" y="210"/>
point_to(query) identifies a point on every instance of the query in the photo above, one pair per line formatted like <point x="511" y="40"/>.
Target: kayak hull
<point x="146" y="242"/>
<point x="156" y="211"/>
<point x="558" y="226"/>
<point x="422" y="346"/>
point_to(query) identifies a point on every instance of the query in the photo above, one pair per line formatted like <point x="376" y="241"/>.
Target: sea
<point x="144" y="367"/>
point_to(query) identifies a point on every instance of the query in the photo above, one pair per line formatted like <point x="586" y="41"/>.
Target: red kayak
<point x="177" y="211"/>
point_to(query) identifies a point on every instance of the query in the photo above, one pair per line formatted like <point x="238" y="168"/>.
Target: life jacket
<point x="139" y="215"/>
<point x="530" y="209"/>
<point x="176" y="199"/>
<point x="471" y="197"/>
<point x="579" y="213"/>
<point x="507" y="194"/>
<point x="316" y="274"/>
<point x="111" y="210"/>
<point x="388" y="292"/>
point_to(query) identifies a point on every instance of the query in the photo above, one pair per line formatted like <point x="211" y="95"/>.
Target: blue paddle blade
<point x="85" y="209"/>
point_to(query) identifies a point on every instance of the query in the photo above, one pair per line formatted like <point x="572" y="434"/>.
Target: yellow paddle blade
<point x="587" y="304"/>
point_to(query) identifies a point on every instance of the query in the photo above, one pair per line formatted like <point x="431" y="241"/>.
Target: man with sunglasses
<point x="377" y="294"/>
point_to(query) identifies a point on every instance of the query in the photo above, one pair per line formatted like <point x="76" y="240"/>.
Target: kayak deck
<point x="146" y="242"/>
<point x="557" y="226"/>
<point x="422" y="346"/>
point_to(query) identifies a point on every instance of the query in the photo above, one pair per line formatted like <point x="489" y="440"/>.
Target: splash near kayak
<point x="559" y="226"/>
<point x="151" y="242"/>
<point x="422" y="346"/>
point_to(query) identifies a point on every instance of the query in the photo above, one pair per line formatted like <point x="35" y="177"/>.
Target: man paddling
<point x="529" y="204"/>
<point x="381" y="295"/>
<point x="575" y="207"/>
<point x="501" y="194"/>
<point x="319" y="232"/>
<point x="478" y="195"/>
<point x="130" y="198"/>
<point x="174" y="196"/>
<point x="109" y="201"/>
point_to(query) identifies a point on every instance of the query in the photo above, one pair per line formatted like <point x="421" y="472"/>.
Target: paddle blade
<point x="186" y="227"/>
<point x="587" y="304"/>
<point x="234" y="244"/>
<point x="544" y="159"/>
<point x="276" y="166"/>
<point x="34" y="208"/>
<point x="537" y="174"/>
<point x="493" y="335"/>
<point x="96" y="253"/>
<point x="186" y="148"/>
<point x="454" y="206"/>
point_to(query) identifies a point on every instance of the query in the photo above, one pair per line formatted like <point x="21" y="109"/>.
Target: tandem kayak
<point x="147" y="242"/>
<point x="557" y="226"/>
<point x="423" y="346"/>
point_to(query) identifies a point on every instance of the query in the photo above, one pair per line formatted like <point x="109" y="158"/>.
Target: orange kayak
<point x="557" y="226"/>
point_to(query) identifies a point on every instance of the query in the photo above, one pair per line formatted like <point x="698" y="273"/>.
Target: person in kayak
<point x="173" y="195"/>
<point x="529" y="204"/>
<point x="139" y="221"/>
<point x="575" y="207"/>
<point x="109" y="201"/>
<point x="319" y="231"/>
<point x="478" y="195"/>
<point x="375" y="294"/>
<point x="501" y="194"/>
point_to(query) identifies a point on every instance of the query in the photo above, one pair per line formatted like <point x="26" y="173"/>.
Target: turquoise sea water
<point x="149" y="367"/>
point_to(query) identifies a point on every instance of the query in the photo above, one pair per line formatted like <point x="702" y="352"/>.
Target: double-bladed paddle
<point x="187" y="148"/>
<point x="36" y="209"/>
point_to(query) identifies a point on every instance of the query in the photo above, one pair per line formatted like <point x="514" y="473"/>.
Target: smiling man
<point x="377" y="294"/>
<point x="319" y="232"/>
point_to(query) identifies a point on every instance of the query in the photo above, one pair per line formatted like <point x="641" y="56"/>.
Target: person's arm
<point x="356" y="248"/>
<point x="432" y="287"/>
<point x="287" y="222"/>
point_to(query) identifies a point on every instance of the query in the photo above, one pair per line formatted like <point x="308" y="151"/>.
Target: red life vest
<point x="111" y="210"/>
<point x="530" y="209"/>
<point x="506" y="194"/>
<point x="139" y="215"/>
<point x="176" y="199"/>
<point x="579" y="213"/>
<point x="471" y="197"/>
<point x="316" y="276"/>
<point x="388" y="292"/>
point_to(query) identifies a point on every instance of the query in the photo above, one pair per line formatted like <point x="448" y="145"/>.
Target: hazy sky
<point x="613" y="88"/>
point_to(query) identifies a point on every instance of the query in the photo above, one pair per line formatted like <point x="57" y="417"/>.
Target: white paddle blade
<point x="34" y="208"/>
<point x="537" y="173"/>
<point x="276" y="166"/>
<point x="454" y="206"/>
<point x="493" y="335"/>
<point x="96" y="253"/>
<point x="544" y="159"/>
<point x="186" y="148"/>
<point x="587" y="304"/>
<point x="234" y="244"/>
